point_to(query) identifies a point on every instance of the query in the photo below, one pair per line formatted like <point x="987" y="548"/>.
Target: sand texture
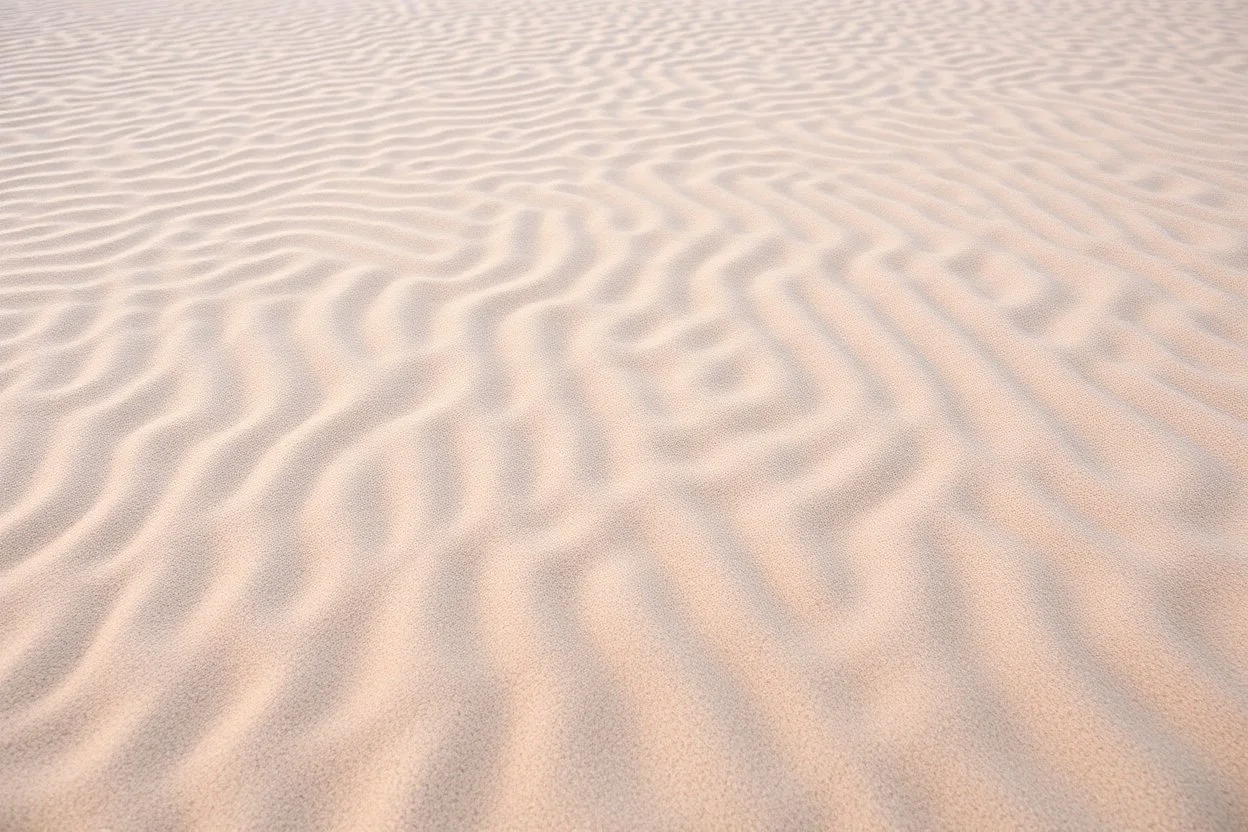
<point x="649" y="415"/>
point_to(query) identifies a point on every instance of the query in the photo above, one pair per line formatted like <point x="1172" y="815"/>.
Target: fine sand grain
<point x="647" y="415"/>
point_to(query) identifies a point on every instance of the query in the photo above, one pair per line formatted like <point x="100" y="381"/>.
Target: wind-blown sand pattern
<point x="649" y="415"/>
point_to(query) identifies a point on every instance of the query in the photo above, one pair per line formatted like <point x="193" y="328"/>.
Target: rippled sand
<point x="660" y="415"/>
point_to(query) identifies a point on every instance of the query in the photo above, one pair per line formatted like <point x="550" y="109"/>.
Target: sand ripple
<point x="623" y="415"/>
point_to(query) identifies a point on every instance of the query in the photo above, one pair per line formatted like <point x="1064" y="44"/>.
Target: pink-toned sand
<point x="649" y="415"/>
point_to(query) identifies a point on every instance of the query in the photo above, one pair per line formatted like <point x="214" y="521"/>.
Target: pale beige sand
<point x="666" y="414"/>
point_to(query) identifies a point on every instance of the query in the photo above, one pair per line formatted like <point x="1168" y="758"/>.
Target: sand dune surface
<point x="670" y="414"/>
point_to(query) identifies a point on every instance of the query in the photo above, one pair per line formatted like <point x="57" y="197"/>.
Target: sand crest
<point x="646" y="415"/>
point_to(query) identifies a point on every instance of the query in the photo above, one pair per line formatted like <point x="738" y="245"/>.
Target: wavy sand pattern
<point x="648" y="415"/>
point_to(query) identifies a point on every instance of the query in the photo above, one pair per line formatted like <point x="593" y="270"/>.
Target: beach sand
<point x="660" y="415"/>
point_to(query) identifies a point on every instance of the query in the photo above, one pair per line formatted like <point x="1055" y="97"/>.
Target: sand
<point x="671" y="414"/>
